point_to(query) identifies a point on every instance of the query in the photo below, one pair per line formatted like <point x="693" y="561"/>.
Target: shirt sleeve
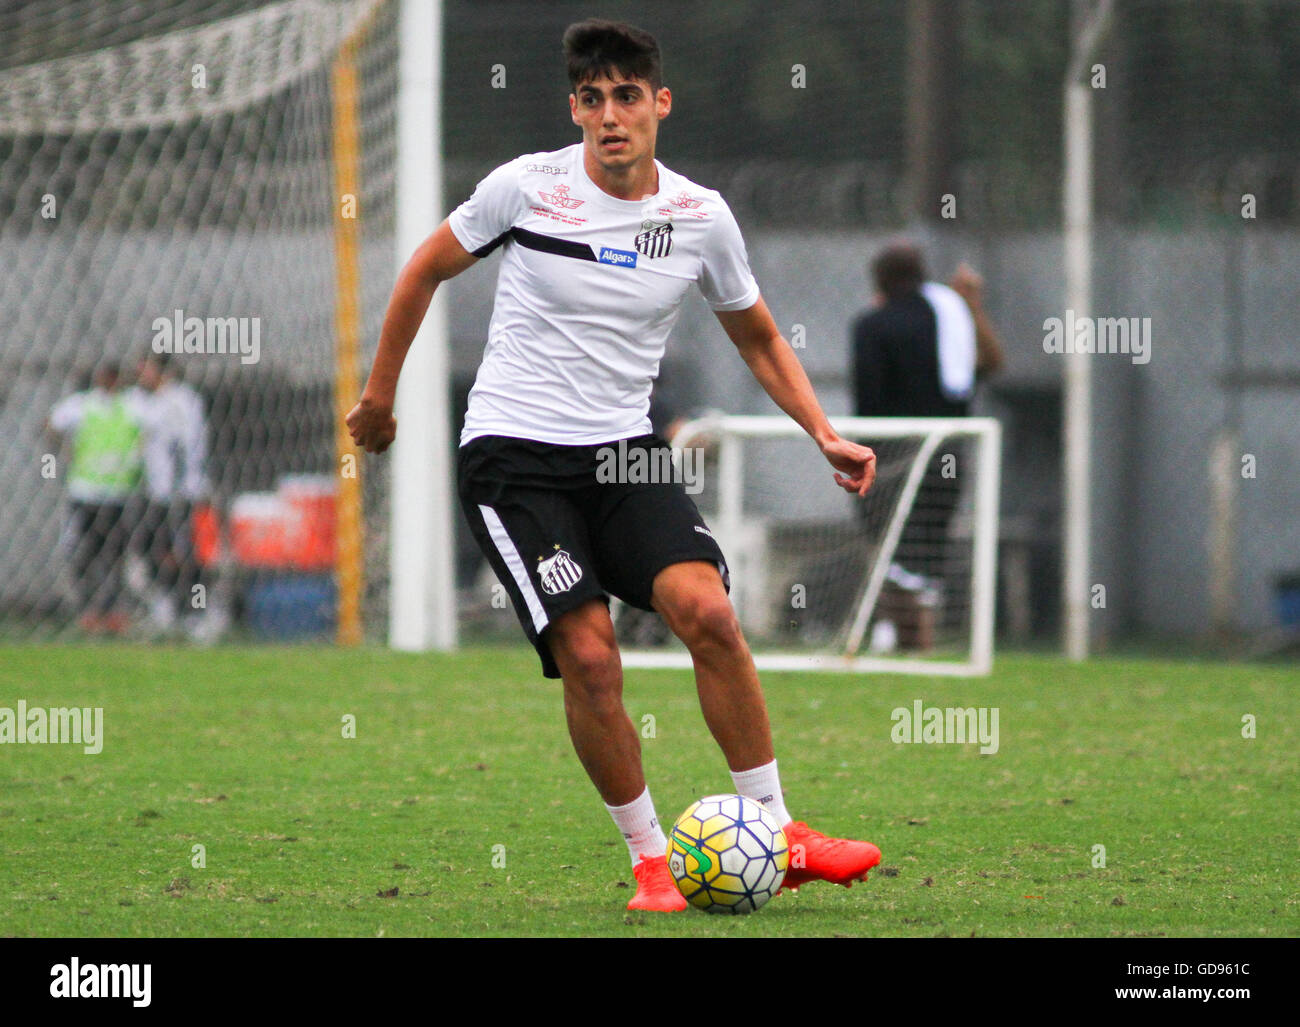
<point x="725" y="279"/>
<point x="491" y="212"/>
<point x="67" y="412"/>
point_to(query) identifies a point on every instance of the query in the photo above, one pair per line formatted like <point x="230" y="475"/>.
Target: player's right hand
<point x="967" y="283"/>
<point x="372" y="425"/>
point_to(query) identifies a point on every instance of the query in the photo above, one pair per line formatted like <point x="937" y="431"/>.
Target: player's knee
<point x="589" y="664"/>
<point x="708" y="620"/>
<point x="583" y="638"/>
<point x="592" y="661"/>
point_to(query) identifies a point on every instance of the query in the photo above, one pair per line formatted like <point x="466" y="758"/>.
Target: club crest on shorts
<point x="558" y="573"/>
<point x="656" y="238"/>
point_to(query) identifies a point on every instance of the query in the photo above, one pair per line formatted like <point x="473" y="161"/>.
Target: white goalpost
<point x="903" y="580"/>
<point x="423" y="595"/>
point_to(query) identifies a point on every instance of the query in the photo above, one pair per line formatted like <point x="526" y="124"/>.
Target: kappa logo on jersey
<point x="684" y="199"/>
<point x="559" y="573"/>
<point x="546" y="169"/>
<point x="619" y="258"/>
<point x="561" y="198"/>
<point x="656" y="239"/>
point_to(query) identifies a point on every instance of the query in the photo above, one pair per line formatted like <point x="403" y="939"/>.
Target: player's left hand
<point x="857" y="462"/>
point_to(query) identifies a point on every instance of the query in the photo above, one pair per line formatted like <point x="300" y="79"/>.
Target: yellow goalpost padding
<point x="350" y="561"/>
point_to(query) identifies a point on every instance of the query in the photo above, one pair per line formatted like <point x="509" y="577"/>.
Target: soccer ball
<point x="727" y="854"/>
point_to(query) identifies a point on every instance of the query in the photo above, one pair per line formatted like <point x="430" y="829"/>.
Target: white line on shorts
<point x="506" y="547"/>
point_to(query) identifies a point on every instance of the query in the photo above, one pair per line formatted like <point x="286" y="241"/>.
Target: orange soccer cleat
<point x="655" y="888"/>
<point x="814" y="857"/>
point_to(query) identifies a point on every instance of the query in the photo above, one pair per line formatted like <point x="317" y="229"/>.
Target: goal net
<point x="901" y="580"/>
<point x="209" y="182"/>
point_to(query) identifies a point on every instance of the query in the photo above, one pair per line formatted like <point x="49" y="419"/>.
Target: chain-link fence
<point x="167" y="315"/>
<point x="162" y="157"/>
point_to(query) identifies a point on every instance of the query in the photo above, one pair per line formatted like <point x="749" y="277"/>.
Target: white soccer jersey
<point x="175" y="440"/>
<point x="589" y="289"/>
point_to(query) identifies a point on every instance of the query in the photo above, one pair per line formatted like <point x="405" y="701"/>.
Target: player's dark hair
<point x="107" y="374"/>
<point x="165" y="362"/>
<point x="595" y="47"/>
<point x="899" y="270"/>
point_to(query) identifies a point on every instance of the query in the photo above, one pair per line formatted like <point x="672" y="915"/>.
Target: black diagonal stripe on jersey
<point x="541" y="243"/>
<point x="550" y="244"/>
<point x="487" y="248"/>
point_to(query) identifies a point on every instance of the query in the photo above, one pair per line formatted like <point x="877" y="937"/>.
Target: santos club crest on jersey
<point x="656" y="238"/>
<point x="559" y="573"/>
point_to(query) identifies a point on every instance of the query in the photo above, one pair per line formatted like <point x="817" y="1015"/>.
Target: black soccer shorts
<point x="558" y="537"/>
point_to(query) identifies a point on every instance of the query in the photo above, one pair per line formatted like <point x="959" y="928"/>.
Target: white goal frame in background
<point x="985" y="432"/>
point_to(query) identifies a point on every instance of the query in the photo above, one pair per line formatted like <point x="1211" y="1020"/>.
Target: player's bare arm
<point x="988" y="347"/>
<point x="772" y="361"/>
<point x="440" y="257"/>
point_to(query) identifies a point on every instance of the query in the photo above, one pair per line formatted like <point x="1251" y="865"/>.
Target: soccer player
<point x="175" y="450"/>
<point x="103" y="476"/>
<point x="601" y="243"/>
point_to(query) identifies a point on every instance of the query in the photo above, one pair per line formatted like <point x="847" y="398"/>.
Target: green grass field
<point x="392" y="832"/>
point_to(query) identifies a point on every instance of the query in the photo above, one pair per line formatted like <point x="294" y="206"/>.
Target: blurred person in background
<point x="918" y="353"/>
<point x="103" y="428"/>
<point x="175" y="454"/>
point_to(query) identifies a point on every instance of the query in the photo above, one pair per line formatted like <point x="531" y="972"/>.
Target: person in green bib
<point x="105" y="473"/>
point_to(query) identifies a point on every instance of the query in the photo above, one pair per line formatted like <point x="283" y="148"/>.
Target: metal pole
<point x="422" y="594"/>
<point x="1078" y="298"/>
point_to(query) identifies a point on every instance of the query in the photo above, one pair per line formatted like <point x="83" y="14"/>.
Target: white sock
<point x="640" y="827"/>
<point x="763" y="785"/>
